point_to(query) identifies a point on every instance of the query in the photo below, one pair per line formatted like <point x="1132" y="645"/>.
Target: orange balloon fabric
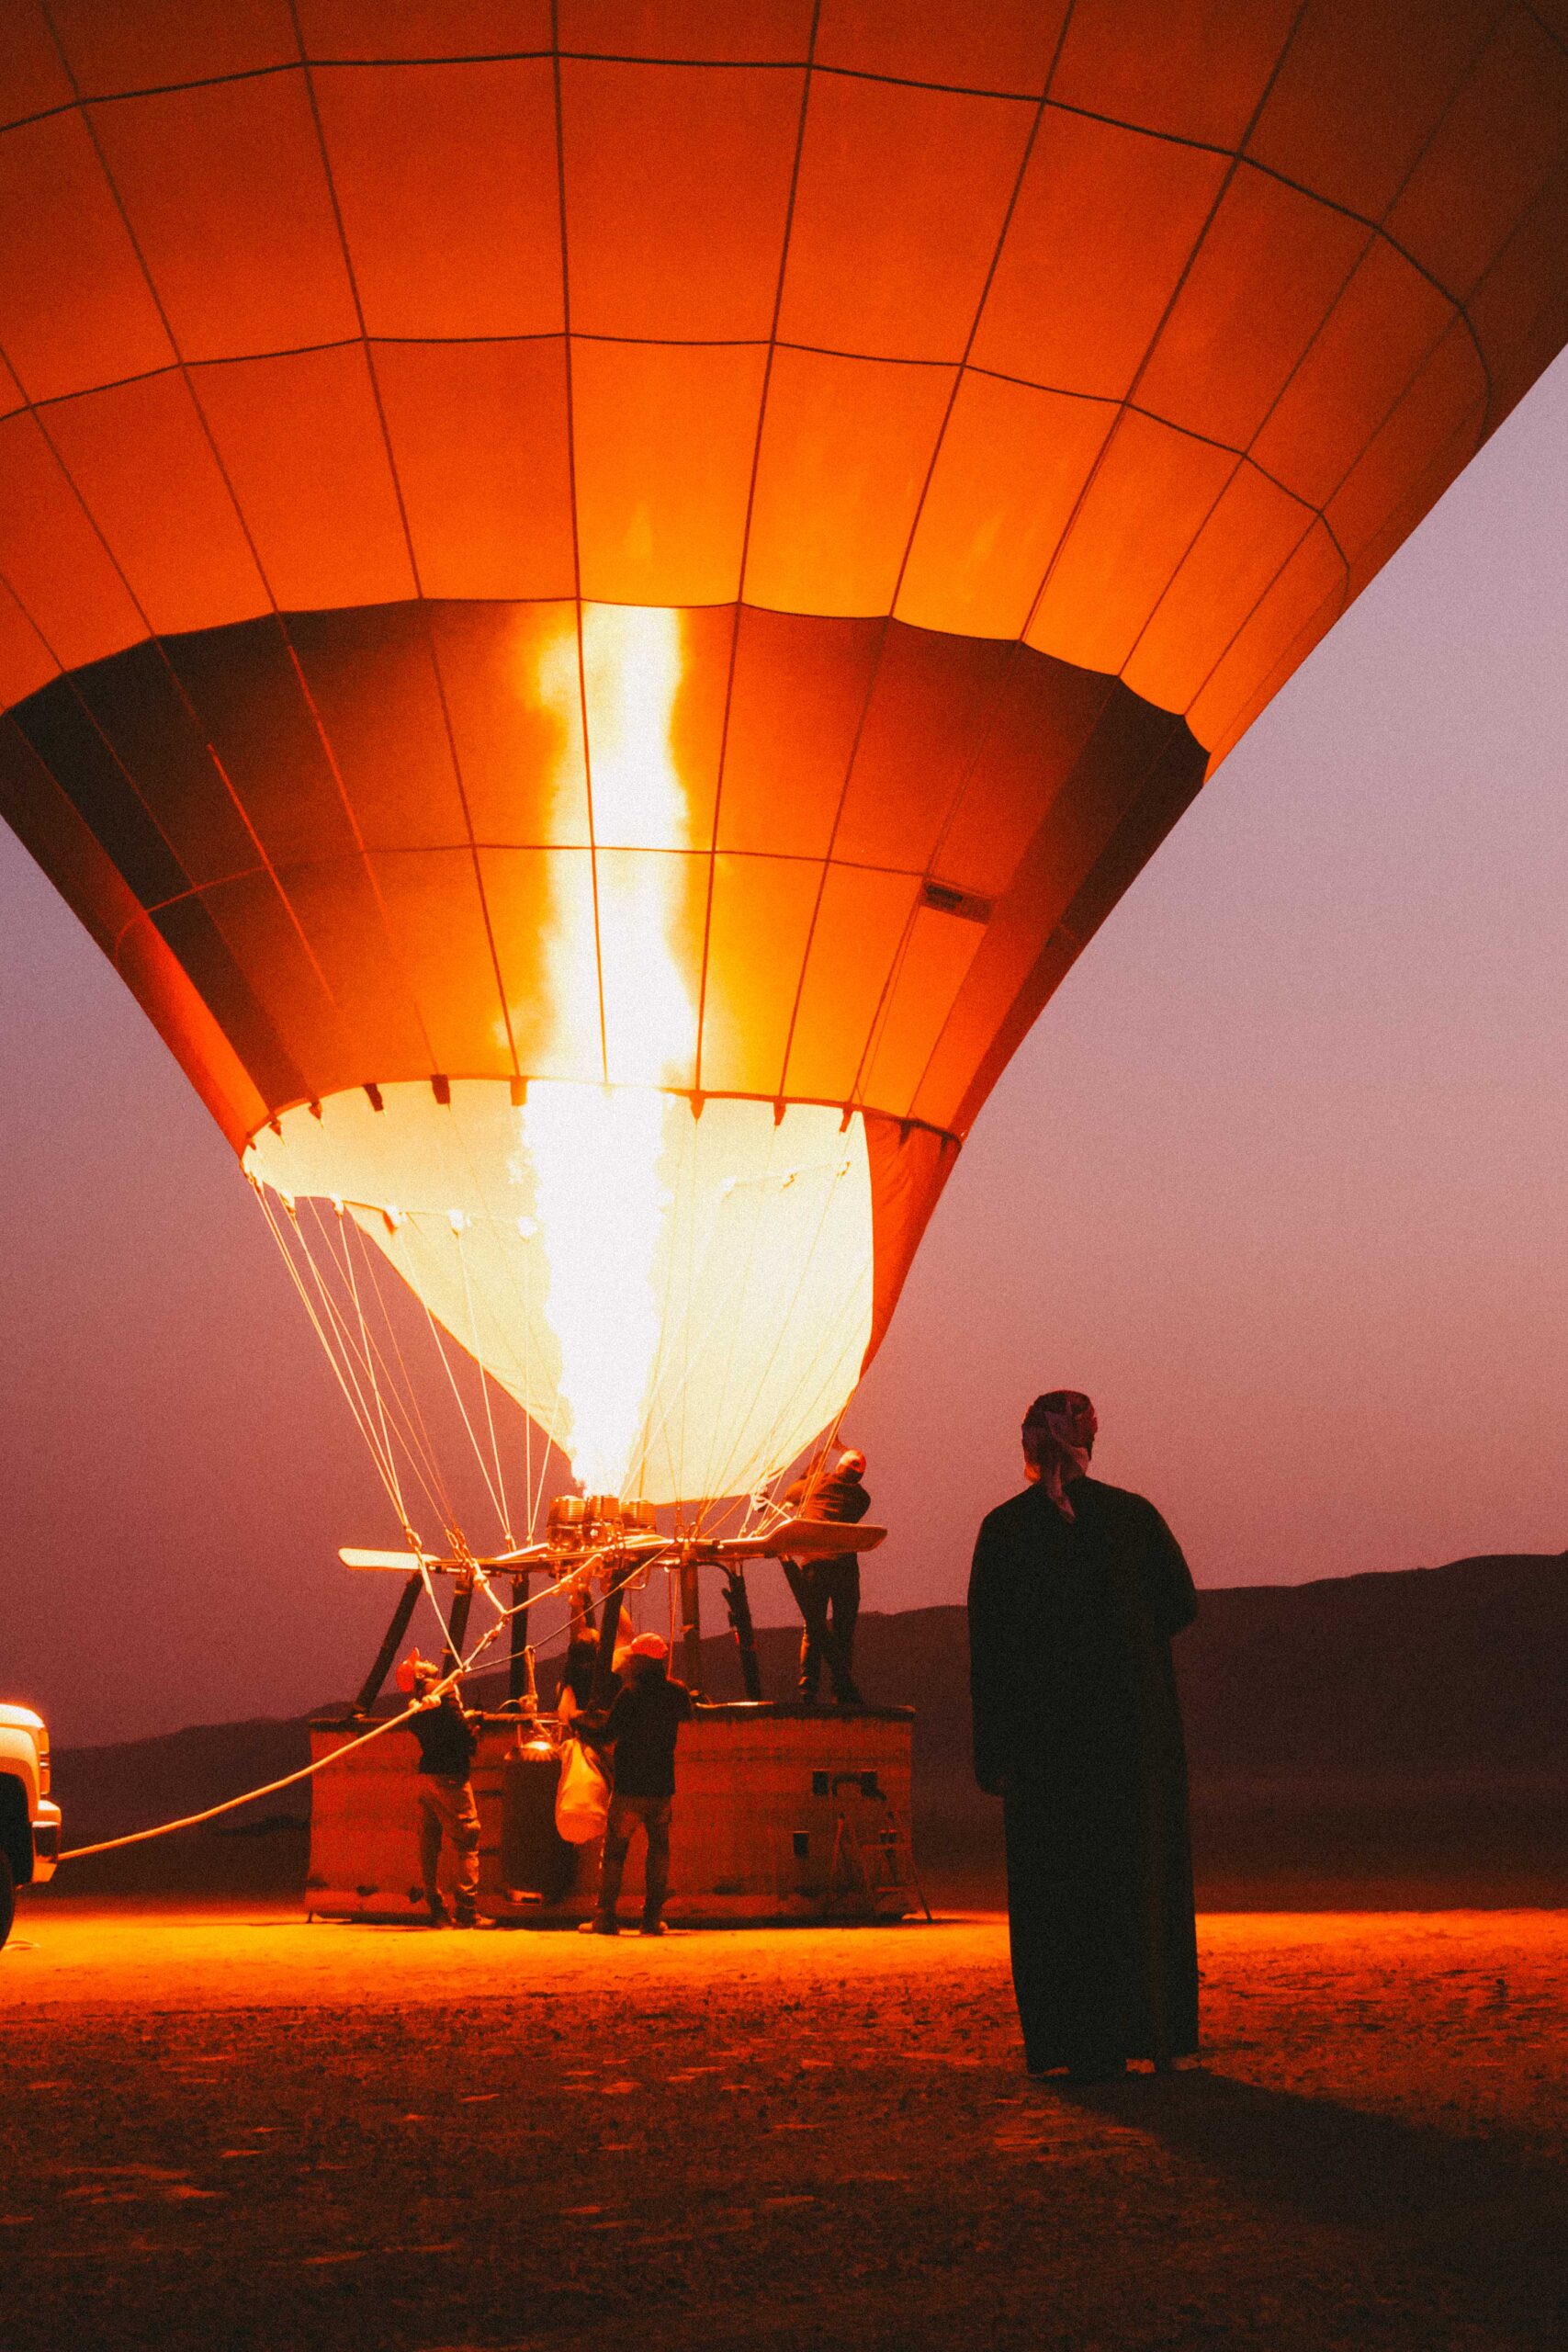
<point x="997" y="403"/>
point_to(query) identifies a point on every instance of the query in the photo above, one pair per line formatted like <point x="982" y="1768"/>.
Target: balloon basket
<point x="783" y="1813"/>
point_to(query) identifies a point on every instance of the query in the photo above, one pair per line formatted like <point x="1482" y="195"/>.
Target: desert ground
<point x="228" y="2128"/>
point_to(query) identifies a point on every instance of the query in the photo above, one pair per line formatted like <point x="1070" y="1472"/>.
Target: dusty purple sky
<point x="1280" y="1177"/>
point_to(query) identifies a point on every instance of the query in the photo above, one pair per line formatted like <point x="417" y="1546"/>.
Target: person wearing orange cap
<point x="826" y="1592"/>
<point x="642" y="1730"/>
<point x="1077" y="1589"/>
<point x="447" y="1814"/>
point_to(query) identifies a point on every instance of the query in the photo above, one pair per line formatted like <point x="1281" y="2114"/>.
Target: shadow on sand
<point x="1487" y="2224"/>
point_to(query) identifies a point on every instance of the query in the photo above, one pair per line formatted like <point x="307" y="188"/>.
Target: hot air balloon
<point x="598" y="600"/>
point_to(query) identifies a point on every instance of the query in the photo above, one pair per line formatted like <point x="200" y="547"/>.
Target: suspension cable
<point x="307" y="1771"/>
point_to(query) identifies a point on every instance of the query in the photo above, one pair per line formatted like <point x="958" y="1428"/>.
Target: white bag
<point x="582" y="1797"/>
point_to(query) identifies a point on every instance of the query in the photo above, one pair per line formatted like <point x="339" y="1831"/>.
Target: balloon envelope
<point x="610" y="618"/>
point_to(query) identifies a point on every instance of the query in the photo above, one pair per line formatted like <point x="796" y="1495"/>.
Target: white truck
<point x="29" y="1823"/>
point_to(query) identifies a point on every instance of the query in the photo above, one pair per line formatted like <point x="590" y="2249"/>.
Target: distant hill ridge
<point x="1398" y="1737"/>
<point x="1447" y="1670"/>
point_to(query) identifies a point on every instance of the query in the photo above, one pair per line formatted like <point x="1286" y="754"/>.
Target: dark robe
<point x="1077" y="1726"/>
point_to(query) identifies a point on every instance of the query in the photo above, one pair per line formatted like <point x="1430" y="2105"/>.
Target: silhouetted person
<point x="827" y="1591"/>
<point x="641" y="1729"/>
<point x="447" y="1812"/>
<point x="1076" y="1591"/>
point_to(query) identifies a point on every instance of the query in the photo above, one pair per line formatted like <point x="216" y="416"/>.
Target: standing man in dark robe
<point x="1076" y="1591"/>
<point x="826" y="1592"/>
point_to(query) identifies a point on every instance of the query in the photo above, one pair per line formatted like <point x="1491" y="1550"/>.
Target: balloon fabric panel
<point x="1448" y="397"/>
<point x="901" y="199"/>
<point x="478" y="435"/>
<point x="1405" y="55"/>
<point x="1009" y="47"/>
<point x="111" y="48"/>
<point x="842" y="458"/>
<point x="637" y="607"/>
<point x="677" y="190"/>
<point x="1271" y="268"/>
<point x="1014" y="462"/>
<point x="1105" y="223"/>
<point x="1306" y="596"/>
<point x="55" y="563"/>
<point x="1245" y="540"/>
<point x="1151" y="492"/>
<point x="715" y="31"/>
<point x="185" y="556"/>
<point x="1196" y="72"/>
<point x="228" y="200"/>
<point x="447" y="179"/>
<point x="1387" y="320"/>
<point x="301" y="441"/>
<point x="415" y="29"/>
<point x="664" y="433"/>
<point x="1497" y="145"/>
<point x="77" y="308"/>
<point x="759" y="930"/>
<point x="798" y="693"/>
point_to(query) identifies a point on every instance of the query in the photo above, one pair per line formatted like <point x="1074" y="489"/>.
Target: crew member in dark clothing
<point x="1076" y="1591"/>
<point x="826" y="1592"/>
<point x="446" y="1809"/>
<point x="641" y="1728"/>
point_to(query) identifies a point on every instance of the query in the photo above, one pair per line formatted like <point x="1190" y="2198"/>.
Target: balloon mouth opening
<point x="678" y="1294"/>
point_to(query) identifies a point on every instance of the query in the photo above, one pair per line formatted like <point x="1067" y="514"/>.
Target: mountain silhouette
<point x="1383" y="1740"/>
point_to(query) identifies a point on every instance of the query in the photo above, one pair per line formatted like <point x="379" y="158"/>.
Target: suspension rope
<point x="416" y="1448"/>
<point x="416" y="1410"/>
<point x="475" y="1351"/>
<point x="309" y="1772"/>
<point x="416" y="1432"/>
<point x="497" y="1229"/>
<point x="704" y="1277"/>
<point x="406" y="1271"/>
<point x="344" y="1251"/>
<point x="362" y="1356"/>
<point x="385" y="1469"/>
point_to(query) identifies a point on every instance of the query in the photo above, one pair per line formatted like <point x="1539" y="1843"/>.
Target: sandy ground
<point x="236" y="2130"/>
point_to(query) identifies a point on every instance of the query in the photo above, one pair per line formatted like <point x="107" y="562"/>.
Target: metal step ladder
<point x="872" y="1852"/>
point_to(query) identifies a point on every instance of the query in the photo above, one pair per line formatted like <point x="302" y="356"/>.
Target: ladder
<point x="871" y="1853"/>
